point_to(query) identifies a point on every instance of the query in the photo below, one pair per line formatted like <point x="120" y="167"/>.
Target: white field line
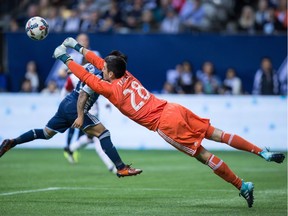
<point x="80" y="188"/>
<point x="261" y="192"/>
<point x="29" y="191"/>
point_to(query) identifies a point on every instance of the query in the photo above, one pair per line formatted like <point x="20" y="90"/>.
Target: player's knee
<point x="216" y="135"/>
<point x="96" y="130"/>
<point x="105" y="133"/>
<point x="202" y="155"/>
<point x="48" y="134"/>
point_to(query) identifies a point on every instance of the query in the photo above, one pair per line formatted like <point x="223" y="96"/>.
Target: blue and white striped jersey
<point x="73" y="96"/>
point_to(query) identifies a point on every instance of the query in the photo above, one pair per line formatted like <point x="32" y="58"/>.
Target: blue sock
<point x="30" y="135"/>
<point x="70" y="135"/>
<point x="110" y="149"/>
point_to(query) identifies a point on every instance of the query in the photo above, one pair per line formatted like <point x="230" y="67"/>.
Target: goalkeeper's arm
<point x="90" y="56"/>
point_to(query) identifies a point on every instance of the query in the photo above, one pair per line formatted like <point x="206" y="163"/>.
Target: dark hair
<point x="119" y="54"/>
<point x="116" y="62"/>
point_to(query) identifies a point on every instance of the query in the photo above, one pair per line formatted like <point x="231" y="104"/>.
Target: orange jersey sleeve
<point x="95" y="83"/>
<point x="97" y="61"/>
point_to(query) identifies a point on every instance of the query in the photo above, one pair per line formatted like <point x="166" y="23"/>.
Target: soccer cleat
<point x="5" y="146"/>
<point x="272" y="156"/>
<point x="128" y="171"/>
<point x="246" y="191"/>
<point x="72" y="157"/>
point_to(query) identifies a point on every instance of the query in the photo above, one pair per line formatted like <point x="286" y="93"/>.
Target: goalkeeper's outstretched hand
<point x="60" y="53"/>
<point x="72" y="43"/>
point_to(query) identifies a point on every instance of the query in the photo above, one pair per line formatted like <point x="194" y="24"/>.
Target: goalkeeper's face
<point x="107" y="75"/>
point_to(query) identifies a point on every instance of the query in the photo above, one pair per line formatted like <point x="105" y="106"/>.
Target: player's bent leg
<point x="239" y="143"/>
<point x="26" y="137"/>
<point x="110" y="150"/>
<point x="221" y="169"/>
<point x="106" y="160"/>
<point x="234" y="141"/>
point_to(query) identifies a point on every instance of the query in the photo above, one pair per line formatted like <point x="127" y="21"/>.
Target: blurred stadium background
<point x="157" y="35"/>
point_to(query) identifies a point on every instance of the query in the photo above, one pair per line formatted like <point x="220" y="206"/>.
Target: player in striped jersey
<point x="70" y="114"/>
<point x="176" y="124"/>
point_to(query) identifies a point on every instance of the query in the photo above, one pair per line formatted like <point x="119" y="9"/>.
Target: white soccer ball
<point x="37" y="28"/>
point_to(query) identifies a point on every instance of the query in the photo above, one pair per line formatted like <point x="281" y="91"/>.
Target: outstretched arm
<point x="91" y="57"/>
<point x="94" y="82"/>
<point x="90" y="79"/>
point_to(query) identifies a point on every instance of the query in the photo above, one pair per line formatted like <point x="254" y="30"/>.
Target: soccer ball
<point x="37" y="28"/>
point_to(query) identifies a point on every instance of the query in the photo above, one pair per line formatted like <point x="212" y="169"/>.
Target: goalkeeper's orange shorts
<point x="183" y="129"/>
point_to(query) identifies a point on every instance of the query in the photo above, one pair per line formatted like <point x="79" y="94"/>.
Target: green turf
<point x="41" y="182"/>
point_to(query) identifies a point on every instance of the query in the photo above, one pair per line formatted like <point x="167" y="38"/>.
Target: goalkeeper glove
<point x="72" y="43"/>
<point x="60" y="53"/>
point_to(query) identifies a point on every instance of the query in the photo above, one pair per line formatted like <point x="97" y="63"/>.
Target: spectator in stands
<point x="32" y="10"/>
<point x="13" y="25"/>
<point x="161" y="9"/>
<point x="115" y="14"/>
<point x="3" y="80"/>
<point x="73" y="22"/>
<point x="26" y="86"/>
<point x="266" y="80"/>
<point x="186" y="78"/>
<point x="246" y="22"/>
<point x="263" y="19"/>
<point x="211" y="82"/>
<point x="281" y="15"/>
<point x="133" y="16"/>
<point x="148" y="23"/>
<point x="173" y="75"/>
<point x="107" y="25"/>
<point x="168" y="88"/>
<point x="60" y="78"/>
<point x="177" y="5"/>
<point x="51" y="88"/>
<point x="232" y="84"/>
<point x="55" y="21"/>
<point x="192" y="16"/>
<point x="92" y="23"/>
<point x="171" y="22"/>
<point x="43" y="8"/>
<point x="86" y="8"/>
<point x="32" y="75"/>
<point x="198" y="88"/>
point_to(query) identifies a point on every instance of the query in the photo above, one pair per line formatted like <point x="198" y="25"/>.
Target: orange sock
<point x="221" y="169"/>
<point x="239" y="143"/>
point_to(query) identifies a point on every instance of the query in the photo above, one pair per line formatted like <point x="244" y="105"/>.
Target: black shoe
<point x="246" y="191"/>
<point x="69" y="155"/>
<point x="5" y="146"/>
<point x="272" y="156"/>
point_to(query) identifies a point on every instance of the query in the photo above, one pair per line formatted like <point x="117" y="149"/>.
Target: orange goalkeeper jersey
<point x="125" y="93"/>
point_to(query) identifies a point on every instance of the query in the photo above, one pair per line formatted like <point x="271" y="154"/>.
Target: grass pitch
<point x="42" y="182"/>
